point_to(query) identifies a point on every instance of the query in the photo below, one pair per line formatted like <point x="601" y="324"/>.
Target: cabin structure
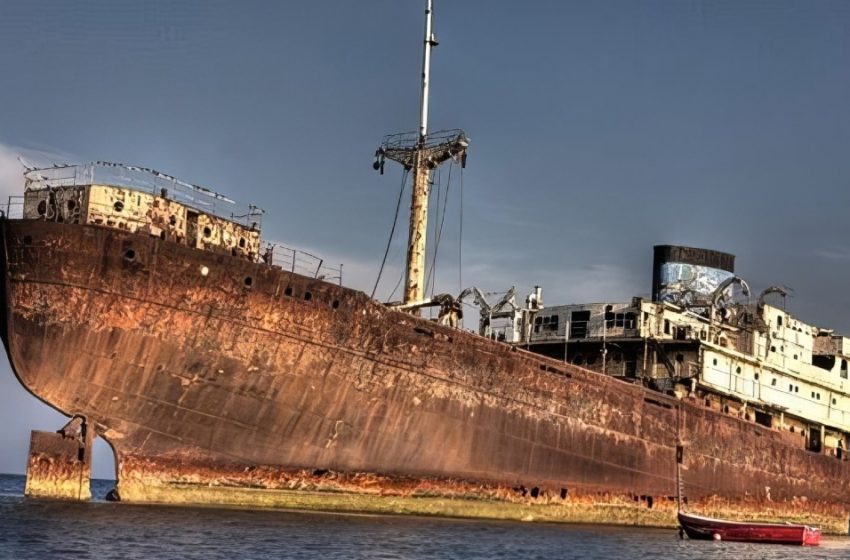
<point x="702" y="338"/>
<point x="141" y="200"/>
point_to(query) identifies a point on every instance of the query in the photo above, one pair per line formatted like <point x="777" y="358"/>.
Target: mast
<point x="421" y="153"/>
<point x="414" y="282"/>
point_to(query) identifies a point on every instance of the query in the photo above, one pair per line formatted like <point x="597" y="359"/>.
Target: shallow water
<point x="100" y="530"/>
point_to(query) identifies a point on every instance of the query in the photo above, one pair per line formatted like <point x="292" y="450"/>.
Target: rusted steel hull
<point x="58" y="467"/>
<point x="211" y="388"/>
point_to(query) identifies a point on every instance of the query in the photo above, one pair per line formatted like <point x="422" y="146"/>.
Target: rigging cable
<point x="433" y="275"/>
<point x="392" y="231"/>
<point x="460" y="238"/>
<point x="434" y="236"/>
<point x="397" y="284"/>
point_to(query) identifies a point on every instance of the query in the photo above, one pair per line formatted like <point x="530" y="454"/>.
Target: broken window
<point x="822" y="361"/>
<point x="764" y="418"/>
<point x="609" y="317"/>
<point x="578" y="324"/>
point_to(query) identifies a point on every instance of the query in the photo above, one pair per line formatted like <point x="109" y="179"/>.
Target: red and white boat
<point x="698" y="527"/>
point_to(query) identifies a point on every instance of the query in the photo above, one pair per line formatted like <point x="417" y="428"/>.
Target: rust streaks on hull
<point x="292" y="374"/>
<point x="58" y="467"/>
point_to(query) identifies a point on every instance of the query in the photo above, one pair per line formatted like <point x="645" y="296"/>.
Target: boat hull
<point x="705" y="528"/>
<point x="201" y="379"/>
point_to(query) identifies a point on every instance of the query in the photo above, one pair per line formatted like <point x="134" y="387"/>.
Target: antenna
<point x="430" y="43"/>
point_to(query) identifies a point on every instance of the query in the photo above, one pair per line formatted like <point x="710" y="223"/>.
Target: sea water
<point x="43" y="529"/>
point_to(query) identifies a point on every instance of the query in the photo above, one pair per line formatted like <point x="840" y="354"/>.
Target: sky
<point x="598" y="129"/>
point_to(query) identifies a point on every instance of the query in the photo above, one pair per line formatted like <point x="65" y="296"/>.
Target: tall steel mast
<point x="421" y="153"/>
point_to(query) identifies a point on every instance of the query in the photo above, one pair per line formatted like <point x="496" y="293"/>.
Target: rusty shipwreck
<point x="220" y="374"/>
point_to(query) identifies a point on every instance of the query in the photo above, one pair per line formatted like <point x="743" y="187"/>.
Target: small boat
<point x="698" y="527"/>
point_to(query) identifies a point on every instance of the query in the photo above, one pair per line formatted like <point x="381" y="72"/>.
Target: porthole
<point x="308" y="296"/>
<point x="249" y="281"/>
<point x="738" y="369"/>
<point x="118" y="206"/>
<point x="207" y="231"/>
<point x="335" y="304"/>
<point x="130" y="255"/>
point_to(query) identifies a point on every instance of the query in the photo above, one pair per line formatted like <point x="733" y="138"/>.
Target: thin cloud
<point x="12" y="168"/>
<point x="835" y="254"/>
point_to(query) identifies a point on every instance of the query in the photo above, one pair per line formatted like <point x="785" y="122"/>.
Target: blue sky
<point x="598" y="129"/>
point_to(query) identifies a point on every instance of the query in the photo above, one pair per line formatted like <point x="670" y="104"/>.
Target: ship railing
<point x="302" y="262"/>
<point x="144" y="179"/>
<point x="13" y="208"/>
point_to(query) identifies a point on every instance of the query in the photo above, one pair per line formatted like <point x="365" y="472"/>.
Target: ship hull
<point x="217" y="380"/>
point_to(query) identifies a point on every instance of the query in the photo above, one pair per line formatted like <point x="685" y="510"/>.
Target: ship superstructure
<point x="704" y="337"/>
<point x="139" y="200"/>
